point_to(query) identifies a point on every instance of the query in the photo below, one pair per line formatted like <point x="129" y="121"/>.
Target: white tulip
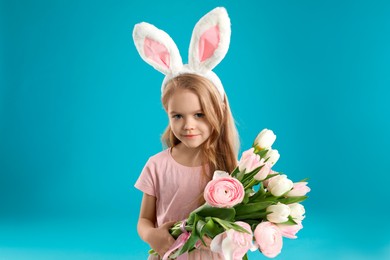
<point x="279" y="185"/>
<point x="265" y="139"/>
<point x="297" y="211"/>
<point x="220" y="174"/>
<point x="279" y="213"/>
<point x="273" y="156"/>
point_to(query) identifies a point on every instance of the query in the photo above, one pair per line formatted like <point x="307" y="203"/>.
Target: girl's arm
<point x="158" y="238"/>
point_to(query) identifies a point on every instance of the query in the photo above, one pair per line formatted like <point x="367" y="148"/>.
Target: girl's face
<point x="186" y="118"/>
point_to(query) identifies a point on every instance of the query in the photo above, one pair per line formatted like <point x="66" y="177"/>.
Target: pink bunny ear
<point x="208" y="43"/>
<point x="157" y="52"/>
<point x="157" y="48"/>
<point x="210" y="40"/>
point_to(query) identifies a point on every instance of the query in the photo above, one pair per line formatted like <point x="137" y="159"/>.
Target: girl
<point x="201" y="136"/>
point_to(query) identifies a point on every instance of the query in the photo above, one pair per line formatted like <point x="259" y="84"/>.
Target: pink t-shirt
<point x="177" y="188"/>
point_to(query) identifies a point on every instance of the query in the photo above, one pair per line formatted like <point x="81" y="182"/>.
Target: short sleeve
<point x="146" y="180"/>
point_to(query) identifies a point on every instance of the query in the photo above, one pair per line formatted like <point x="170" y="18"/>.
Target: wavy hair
<point x="220" y="150"/>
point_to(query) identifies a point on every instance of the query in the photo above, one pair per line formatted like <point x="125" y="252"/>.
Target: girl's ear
<point x="210" y="40"/>
<point x="157" y="48"/>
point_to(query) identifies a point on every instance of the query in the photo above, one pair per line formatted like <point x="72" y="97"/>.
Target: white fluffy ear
<point x="210" y="40"/>
<point x="157" y="48"/>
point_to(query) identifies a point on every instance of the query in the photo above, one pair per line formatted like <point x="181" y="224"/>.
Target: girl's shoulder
<point x="160" y="157"/>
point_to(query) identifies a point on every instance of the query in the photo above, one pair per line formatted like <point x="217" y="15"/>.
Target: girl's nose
<point x="189" y="125"/>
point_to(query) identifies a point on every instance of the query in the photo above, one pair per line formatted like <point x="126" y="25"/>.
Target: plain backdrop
<point x="80" y="114"/>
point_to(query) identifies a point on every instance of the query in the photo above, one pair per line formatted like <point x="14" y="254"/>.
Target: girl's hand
<point x="160" y="239"/>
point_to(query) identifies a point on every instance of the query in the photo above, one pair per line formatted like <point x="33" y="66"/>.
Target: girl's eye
<point x="177" y="116"/>
<point x="199" y="115"/>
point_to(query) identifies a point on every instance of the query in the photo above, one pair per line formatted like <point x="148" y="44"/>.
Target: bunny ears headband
<point x="209" y="45"/>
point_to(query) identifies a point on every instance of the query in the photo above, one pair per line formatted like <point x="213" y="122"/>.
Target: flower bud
<point x="266" y="182"/>
<point x="263" y="173"/>
<point x="290" y="231"/>
<point x="249" y="161"/>
<point x="279" y="185"/>
<point x="279" y="213"/>
<point x="299" y="189"/>
<point x="265" y="139"/>
<point x="273" y="156"/>
<point x="297" y="211"/>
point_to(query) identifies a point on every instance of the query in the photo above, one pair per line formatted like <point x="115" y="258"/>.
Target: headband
<point x="209" y="45"/>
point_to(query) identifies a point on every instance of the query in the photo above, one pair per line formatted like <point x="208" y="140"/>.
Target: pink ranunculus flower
<point x="249" y="161"/>
<point x="269" y="238"/>
<point x="233" y="244"/>
<point x="299" y="189"/>
<point x="223" y="191"/>
<point x="263" y="173"/>
<point x="290" y="231"/>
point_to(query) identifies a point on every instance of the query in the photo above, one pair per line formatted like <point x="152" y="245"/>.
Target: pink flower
<point x="299" y="189"/>
<point x="224" y="191"/>
<point x="269" y="238"/>
<point x="263" y="173"/>
<point x="233" y="244"/>
<point x="249" y="161"/>
<point x="290" y="231"/>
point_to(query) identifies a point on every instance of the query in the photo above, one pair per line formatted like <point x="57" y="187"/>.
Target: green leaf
<point x="255" y="215"/>
<point x="259" y="194"/>
<point x="202" y="228"/>
<point x="222" y="213"/>
<point x="235" y="171"/>
<point x="248" y="177"/>
<point x="245" y="257"/>
<point x="252" y="207"/>
<point x="211" y="228"/>
<point x="272" y="175"/>
<point x="240" y="176"/>
<point x="291" y="200"/>
<point x="230" y="225"/>
<point x="290" y="221"/>
<point x="188" y="245"/>
<point x="194" y="237"/>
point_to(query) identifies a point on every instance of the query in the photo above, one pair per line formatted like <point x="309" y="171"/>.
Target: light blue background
<point x="80" y="113"/>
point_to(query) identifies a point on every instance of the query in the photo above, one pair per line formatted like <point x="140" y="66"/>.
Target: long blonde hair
<point x="220" y="150"/>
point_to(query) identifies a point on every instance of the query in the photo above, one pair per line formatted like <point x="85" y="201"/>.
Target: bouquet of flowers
<point x="251" y="208"/>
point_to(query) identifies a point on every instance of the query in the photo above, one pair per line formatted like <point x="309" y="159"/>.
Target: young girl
<point x="201" y="136"/>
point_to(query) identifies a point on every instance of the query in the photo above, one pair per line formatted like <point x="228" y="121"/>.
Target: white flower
<point x="265" y="139"/>
<point x="279" y="185"/>
<point x="273" y="156"/>
<point x="220" y="174"/>
<point x="297" y="211"/>
<point x="280" y="213"/>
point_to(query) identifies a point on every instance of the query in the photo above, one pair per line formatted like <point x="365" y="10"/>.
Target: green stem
<point x="250" y="184"/>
